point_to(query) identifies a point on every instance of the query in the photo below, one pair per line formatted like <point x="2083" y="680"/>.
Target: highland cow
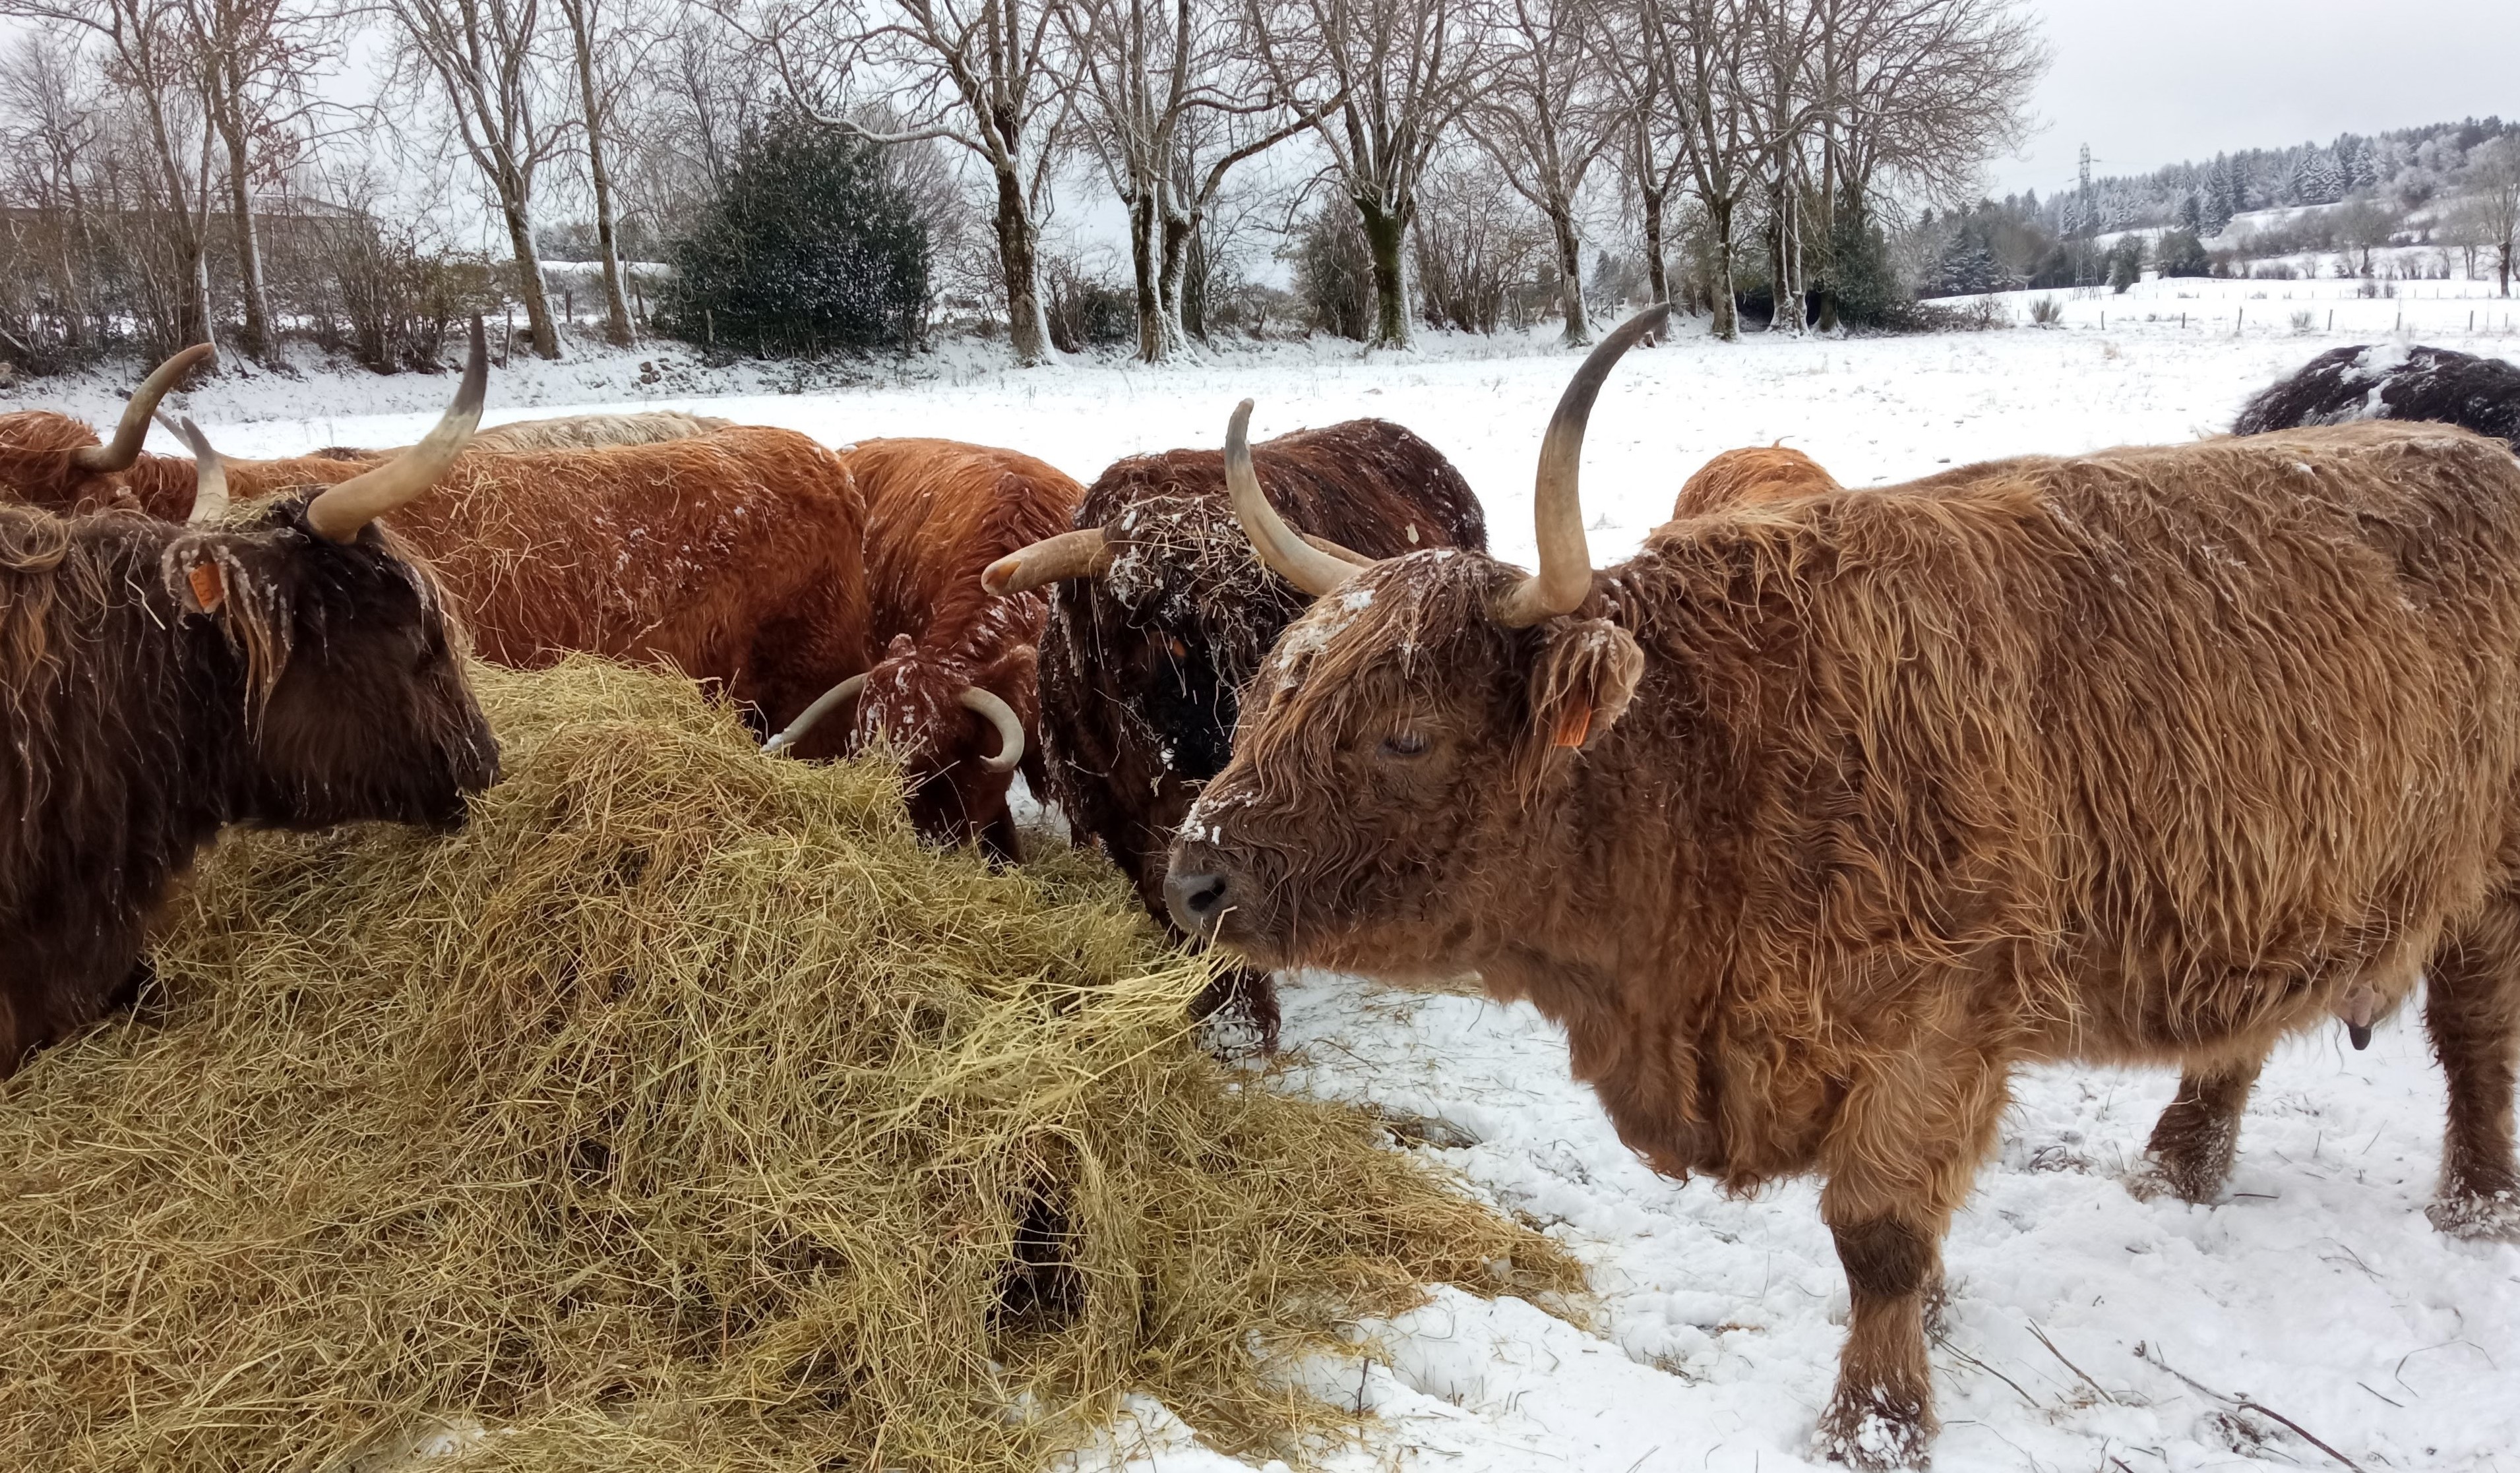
<point x="955" y="692"/>
<point x="2391" y="381"/>
<point x="1160" y="613"/>
<point x="1810" y="824"/>
<point x="282" y="665"/>
<point x="737" y="557"/>
<point x="1753" y="477"/>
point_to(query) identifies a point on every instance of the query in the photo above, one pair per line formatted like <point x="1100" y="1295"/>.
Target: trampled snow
<point x="2087" y="1330"/>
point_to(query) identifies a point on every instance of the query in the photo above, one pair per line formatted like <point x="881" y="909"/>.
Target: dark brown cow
<point x="281" y="665"/>
<point x="736" y="557"/>
<point x="1811" y="823"/>
<point x="955" y="692"/>
<point x="2389" y="382"/>
<point x="1160" y="613"/>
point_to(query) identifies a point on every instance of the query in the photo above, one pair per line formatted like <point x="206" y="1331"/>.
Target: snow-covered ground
<point x="2317" y="1290"/>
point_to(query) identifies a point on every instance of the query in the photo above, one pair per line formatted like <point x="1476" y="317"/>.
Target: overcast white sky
<point x="2149" y="82"/>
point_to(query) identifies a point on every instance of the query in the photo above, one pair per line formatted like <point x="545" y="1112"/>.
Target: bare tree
<point x="2493" y="189"/>
<point x="1651" y="153"/>
<point x="1403" y="72"/>
<point x="256" y="60"/>
<point x="146" y="52"/>
<point x="1546" y="120"/>
<point x="48" y="125"/>
<point x="1165" y="117"/>
<point x="976" y="73"/>
<point x="1693" y="46"/>
<point x="1783" y="47"/>
<point x="595" y="28"/>
<point x="480" y="57"/>
<point x="1916" y="93"/>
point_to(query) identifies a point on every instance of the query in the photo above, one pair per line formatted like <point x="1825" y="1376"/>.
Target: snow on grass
<point x="2317" y="1289"/>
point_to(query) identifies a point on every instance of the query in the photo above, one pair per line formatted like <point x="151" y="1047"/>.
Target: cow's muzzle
<point x="1197" y="899"/>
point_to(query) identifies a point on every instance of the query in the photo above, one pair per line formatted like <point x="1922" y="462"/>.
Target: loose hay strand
<point x="683" y="1112"/>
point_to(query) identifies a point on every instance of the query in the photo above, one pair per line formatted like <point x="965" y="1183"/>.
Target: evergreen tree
<point x="808" y="247"/>
<point x="2191" y="215"/>
<point x="2181" y="253"/>
<point x="2125" y="262"/>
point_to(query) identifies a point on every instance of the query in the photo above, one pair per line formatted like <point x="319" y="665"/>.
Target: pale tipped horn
<point x="1010" y="733"/>
<point x="1348" y="555"/>
<point x="1287" y="554"/>
<point x="342" y="509"/>
<point x="1069" y="555"/>
<point x="210" y="472"/>
<point x="123" y="449"/>
<point x="823" y="705"/>
<point x="1566" y="573"/>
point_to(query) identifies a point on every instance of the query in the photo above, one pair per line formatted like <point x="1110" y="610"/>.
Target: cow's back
<point x="690" y="552"/>
<point x="938" y="512"/>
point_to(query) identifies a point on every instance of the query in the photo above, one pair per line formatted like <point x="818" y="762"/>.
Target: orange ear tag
<point x="1574" y="726"/>
<point x="210" y="588"/>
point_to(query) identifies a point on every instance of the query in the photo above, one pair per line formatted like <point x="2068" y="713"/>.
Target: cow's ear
<point x="207" y="583"/>
<point x="1581" y="686"/>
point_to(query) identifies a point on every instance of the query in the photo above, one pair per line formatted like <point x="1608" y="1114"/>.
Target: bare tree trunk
<point x="259" y="344"/>
<point x="1178" y="230"/>
<point x="540" y="331"/>
<point x="1385" y="230"/>
<point x="1019" y="255"/>
<point x="1142" y="249"/>
<point x="598" y="172"/>
<point x="1570" y="276"/>
<point x="1719" y="226"/>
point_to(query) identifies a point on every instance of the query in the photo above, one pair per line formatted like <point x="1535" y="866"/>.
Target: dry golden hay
<point x="681" y="1113"/>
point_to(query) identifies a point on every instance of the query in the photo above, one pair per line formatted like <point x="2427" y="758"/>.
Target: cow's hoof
<point x="2183" y="1178"/>
<point x="2486" y="1216"/>
<point x="1872" y="1433"/>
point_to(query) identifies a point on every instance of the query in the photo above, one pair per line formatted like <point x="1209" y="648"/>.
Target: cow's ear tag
<point x="1574" y="724"/>
<point x="209" y="586"/>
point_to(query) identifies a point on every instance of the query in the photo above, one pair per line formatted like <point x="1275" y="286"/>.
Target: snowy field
<point x="2087" y="1330"/>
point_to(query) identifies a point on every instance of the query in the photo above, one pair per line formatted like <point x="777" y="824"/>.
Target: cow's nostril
<point x="1195" y="900"/>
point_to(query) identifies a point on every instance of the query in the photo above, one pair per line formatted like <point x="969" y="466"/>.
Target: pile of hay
<point x="682" y="1113"/>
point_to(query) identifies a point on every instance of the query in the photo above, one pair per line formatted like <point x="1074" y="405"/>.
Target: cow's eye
<point x="1404" y="744"/>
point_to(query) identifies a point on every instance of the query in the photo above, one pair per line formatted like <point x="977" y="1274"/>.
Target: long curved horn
<point x="210" y="472"/>
<point x="341" y="510"/>
<point x="1287" y="554"/>
<point x="1566" y="573"/>
<point x="1069" y="555"/>
<point x="1010" y="735"/>
<point x="823" y="705"/>
<point x="123" y="449"/>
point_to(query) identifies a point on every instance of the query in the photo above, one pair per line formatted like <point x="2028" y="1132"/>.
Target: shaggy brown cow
<point x="1160" y="613"/>
<point x="1810" y="824"/>
<point x="1752" y="477"/>
<point x="50" y="460"/>
<point x="648" y="426"/>
<point x="282" y="665"/>
<point x="955" y="692"/>
<point x="737" y="557"/>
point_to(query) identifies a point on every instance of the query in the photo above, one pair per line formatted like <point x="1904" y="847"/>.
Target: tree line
<point x="2451" y="188"/>
<point x="825" y="175"/>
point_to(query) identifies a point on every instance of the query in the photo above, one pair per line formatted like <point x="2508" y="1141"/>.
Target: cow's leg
<point x="2189" y="1154"/>
<point x="1900" y="1158"/>
<point x="2472" y="1011"/>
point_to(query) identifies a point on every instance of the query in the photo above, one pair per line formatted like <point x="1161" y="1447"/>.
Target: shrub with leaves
<point x="809" y="248"/>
